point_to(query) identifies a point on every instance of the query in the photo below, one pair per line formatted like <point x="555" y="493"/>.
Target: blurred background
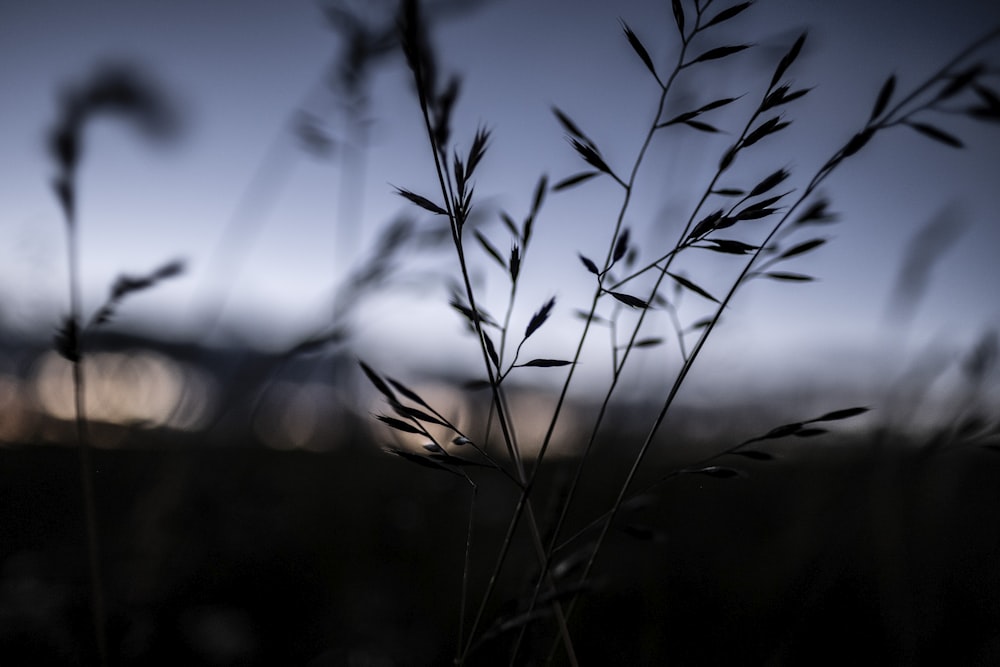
<point x="292" y="126"/>
<point x="295" y="124"/>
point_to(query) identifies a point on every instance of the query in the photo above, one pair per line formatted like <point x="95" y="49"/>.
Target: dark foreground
<point x="833" y="555"/>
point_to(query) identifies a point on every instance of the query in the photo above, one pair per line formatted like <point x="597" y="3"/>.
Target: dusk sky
<point x="238" y="70"/>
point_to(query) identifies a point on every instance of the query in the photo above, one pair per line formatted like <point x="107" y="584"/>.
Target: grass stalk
<point x="456" y="206"/>
<point x="466" y="571"/>
<point x="114" y="89"/>
<point x="97" y="601"/>
<point x="619" y="364"/>
<point x="895" y="117"/>
<point x="698" y="231"/>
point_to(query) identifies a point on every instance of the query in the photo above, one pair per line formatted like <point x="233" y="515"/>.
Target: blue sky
<point x="240" y="69"/>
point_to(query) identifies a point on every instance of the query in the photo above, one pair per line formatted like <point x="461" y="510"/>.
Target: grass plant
<point x="111" y="90"/>
<point x="758" y="221"/>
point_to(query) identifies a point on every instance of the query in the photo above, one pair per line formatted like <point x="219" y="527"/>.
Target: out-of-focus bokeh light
<point x="140" y="389"/>
<point x="533" y="409"/>
<point x="14" y="407"/>
<point x="296" y="416"/>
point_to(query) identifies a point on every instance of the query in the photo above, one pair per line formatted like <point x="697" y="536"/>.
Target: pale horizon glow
<point x="240" y="71"/>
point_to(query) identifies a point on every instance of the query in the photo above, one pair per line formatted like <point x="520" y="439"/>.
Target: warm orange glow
<point x="15" y="410"/>
<point x="295" y="416"/>
<point x="531" y="410"/>
<point x="143" y="389"/>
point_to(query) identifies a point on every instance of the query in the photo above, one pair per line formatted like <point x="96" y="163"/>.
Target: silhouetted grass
<point x="733" y="207"/>
<point x="741" y="550"/>
<point x="112" y="90"/>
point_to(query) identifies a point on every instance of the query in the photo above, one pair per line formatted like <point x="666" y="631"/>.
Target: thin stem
<point x="272" y="173"/>
<point x="668" y="257"/>
<point x="978" y="44"/>
<point x="98" y="606"/>
<point x="647" y="141"/>
<point x="466" y="568"/>
<point x="814" y="183"/>
<point x="678" y="328"/>
<point x="456" y="230"/>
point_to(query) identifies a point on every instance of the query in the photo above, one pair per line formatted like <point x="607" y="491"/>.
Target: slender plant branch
<point x="98" y="605"/>
<point x="412" y="47"/>
<point x="836" y="160"/>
